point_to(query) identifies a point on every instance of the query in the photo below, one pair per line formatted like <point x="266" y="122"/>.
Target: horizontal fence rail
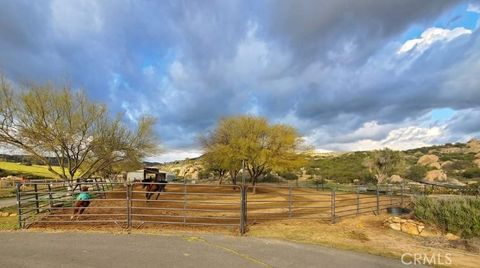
<point x="135" y="205"/>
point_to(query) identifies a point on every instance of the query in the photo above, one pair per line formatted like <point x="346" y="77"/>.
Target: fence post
<point x="243" y="209"/>
<point x="333" y="204"/>
<point x="358" y="202"/>
<point x="391" y="194"/>
<point x="378" y="201"/>
<point x="184" y="203"/>
<point x="289" y="201"/>
<point x="50" y="197"/>
<point x="129" y="206"/>
<point x="401" y="196"/>
<point x="19" y="206"/>
<point x="37" y="204"/>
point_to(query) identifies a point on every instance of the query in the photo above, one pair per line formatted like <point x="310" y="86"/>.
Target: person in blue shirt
<point x="83" y="201"/>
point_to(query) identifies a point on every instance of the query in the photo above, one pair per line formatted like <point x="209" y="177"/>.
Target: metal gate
<point x="187" y="204"/>
<point x="236" y="206"/>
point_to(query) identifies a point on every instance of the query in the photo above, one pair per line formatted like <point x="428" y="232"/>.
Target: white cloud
<point x="83" y="17"/>
<point x="172" y="155"/>
<point x="398" y="139"/>
<point x="429" y="37"/>
<point x="475" y="8"/>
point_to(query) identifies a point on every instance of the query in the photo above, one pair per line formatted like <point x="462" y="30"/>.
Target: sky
<point x="349" y="75"/>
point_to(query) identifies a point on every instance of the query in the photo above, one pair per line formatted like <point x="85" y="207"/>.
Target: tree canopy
<point x="384" y="163"/>
<point x="262" y="146"/>
<point x="47" y="122"/>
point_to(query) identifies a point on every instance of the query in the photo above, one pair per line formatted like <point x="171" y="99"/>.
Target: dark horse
<point x="152" y="186"/>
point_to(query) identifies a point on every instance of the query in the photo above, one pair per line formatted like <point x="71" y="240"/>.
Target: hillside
<point x="457" y="163"/>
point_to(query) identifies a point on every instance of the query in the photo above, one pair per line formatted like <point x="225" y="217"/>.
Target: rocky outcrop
<point x="446" y="163"/>
<point x="191" y="171"/>
<point x="436" y="176"/>
<point x="395" y="179"/>
<point x="407" y="226"/>
<point x="477" y="162"/>
<point x="429" y="160"/>
<point x="456" y="182"/>
<point x="415" y="228"/>
<point x="473" y="146"/>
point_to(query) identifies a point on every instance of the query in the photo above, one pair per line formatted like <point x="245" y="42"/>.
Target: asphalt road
<point x="7" y="202"/>
<point x="30" y="249"/>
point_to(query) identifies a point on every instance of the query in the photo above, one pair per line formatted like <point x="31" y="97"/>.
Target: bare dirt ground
<point x="217" y="206"/>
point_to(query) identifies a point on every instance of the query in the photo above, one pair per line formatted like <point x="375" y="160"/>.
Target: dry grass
<point x="367" y="234"/>
<point x="364" y="233"/>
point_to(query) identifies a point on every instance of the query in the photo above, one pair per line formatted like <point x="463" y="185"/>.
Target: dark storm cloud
<point x="328" y="67"/>
<point x="313" y="28"/>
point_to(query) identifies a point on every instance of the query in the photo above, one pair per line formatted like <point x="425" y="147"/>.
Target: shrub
<point x="458" y="215"/>
<point x="417" y="172"/>
<point x="472" y="173"/>
<point x="269" y="177"/>
<point x="288" y="176"/>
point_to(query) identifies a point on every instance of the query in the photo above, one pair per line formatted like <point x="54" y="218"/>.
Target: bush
<point x="288" y="176"/>
<point x="417" y="172"/>
<point x="457" y="215"/>
<point x="269" y="177"/>
<point x="472" y="173"/>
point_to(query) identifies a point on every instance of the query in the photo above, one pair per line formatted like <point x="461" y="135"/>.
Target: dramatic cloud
<point x="431" y="36"/>
<point x="351" y="75"/>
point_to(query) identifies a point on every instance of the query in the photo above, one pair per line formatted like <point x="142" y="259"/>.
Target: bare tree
<point x="66" y="125"/>
<point x="384" y="163"/>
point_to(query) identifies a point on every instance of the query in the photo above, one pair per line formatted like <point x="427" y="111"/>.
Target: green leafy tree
<point x="263" y="147"/>
<point x="45" y="122"/>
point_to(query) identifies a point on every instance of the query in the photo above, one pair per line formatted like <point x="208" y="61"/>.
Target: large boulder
<point x="429" y="160"/>
<point x="446" y="163"/>
<point x="456" y="182"/>
<point x="395" y="179"/>
<point x="436" y="176"/>
<point x="435" y="165"/>
<point x="473" y="145"/>
<point x="477" y="162"/>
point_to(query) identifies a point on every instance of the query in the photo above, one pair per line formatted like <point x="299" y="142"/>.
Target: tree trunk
<point x="254" y="184"/>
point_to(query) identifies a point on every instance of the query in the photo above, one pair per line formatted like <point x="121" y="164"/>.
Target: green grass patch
<point x="7" y="192"/>
<point x="9" y="223"/>
<point x="458" y="215"/>
<point x="33" y="170"/>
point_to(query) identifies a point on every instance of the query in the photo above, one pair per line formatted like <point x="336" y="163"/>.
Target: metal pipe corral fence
<point x="125" y="205"/>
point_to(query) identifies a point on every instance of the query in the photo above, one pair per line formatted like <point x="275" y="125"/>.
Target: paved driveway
<point x="30" y="249"/>
<point x="7" y="202"/>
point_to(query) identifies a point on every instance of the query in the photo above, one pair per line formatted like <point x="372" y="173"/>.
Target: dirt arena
<point x="213" y="205"/>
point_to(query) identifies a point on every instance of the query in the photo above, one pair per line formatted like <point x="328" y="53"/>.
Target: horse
<point x="151" y="186"/>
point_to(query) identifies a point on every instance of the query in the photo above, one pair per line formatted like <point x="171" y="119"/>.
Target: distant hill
<point x="452" y="163"/>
